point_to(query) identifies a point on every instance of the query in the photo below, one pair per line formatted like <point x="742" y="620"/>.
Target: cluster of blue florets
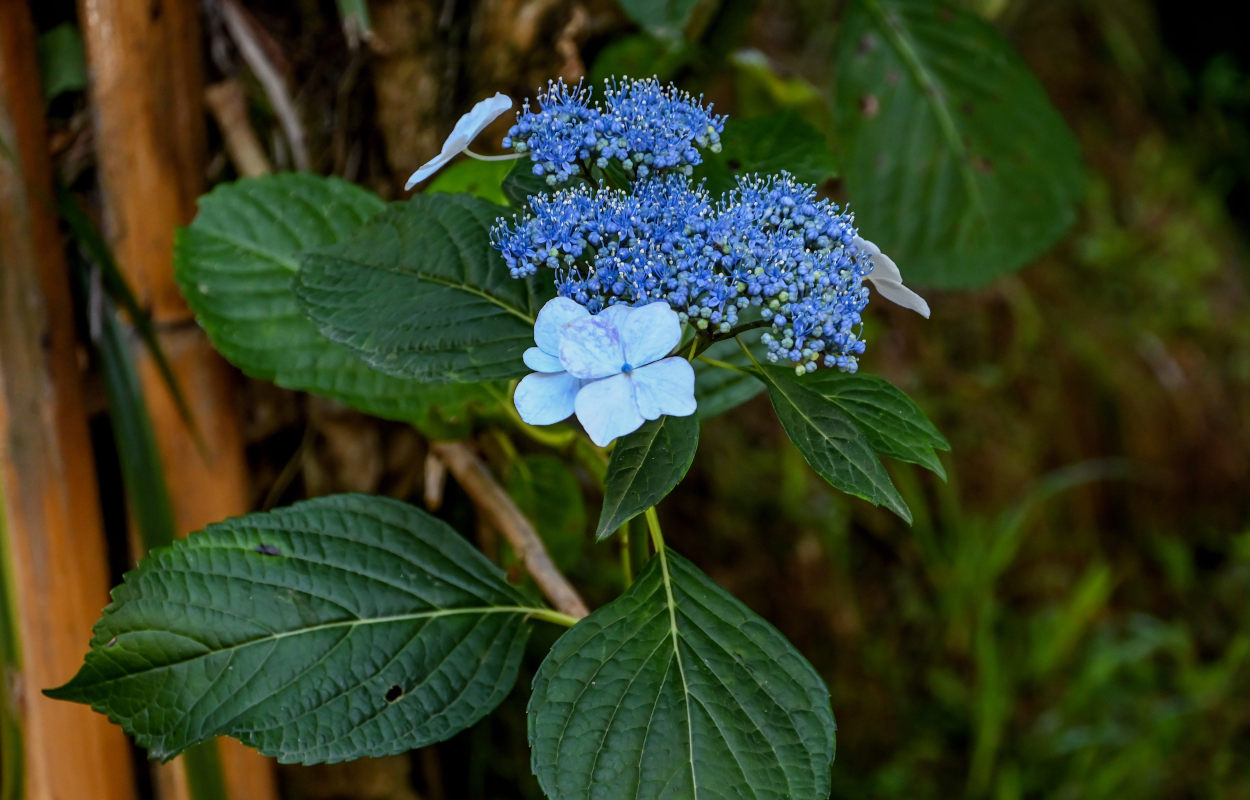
<point x="643" y="126"/>
<point x="768" y="251"/>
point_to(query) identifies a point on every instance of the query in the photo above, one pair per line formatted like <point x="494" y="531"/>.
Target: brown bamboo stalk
<point x="48" y="499"/>
<point x="147" y="99"/>
<point x="502" y="513"/>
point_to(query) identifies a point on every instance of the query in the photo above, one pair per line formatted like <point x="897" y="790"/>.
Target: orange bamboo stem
<point x="49" y="506"/>
<point x="147" y="98"/>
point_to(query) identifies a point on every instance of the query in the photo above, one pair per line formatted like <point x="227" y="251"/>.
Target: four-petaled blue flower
<point x="610" y="369"/>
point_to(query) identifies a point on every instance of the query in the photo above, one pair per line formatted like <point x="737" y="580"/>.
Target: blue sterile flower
<point x="462" y="135"/>
<point x="610" y="369"/>
<point x="546" y="396"/>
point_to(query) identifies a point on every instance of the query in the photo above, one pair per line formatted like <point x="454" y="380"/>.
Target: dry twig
<point x="494" y="502"/>
<point x="270" y="80"/>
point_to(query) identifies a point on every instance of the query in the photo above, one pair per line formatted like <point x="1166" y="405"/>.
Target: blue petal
<point x="590" y="349"/>
<point x="543" y="399"/>
<point x="557" y="313"/>
<point x="539" y="361"/>
<point x="607" y="410"/>
<point x="615" y="314"/>
<point x="665" y="387"/>
<point x="650" y="333"/>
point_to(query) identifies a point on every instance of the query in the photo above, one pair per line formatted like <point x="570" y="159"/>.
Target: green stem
<point x="653" y="525"/>
<point x="748" y="352"/>
<point x="724" y="365"/>
<point x="740" y="329"/>
<point x="504" y="157"/>
<point x="550" y="615"/>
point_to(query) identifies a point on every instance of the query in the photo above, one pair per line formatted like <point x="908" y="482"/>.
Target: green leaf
<point x="718" y="389"/>
<point x="420" y="293"/>
<point x="62" y="61"/>
<point x="640" y="54"/>
<point x="521" y="182"/>
<point x="337" y="628"/>
<point x="956" y="163"/>
<point x="663" y="17"/>
<point x="892" y="423"/>
<point x="475" y="177"/>
<point x="767" y="145"/>
<point x="644" y="468"/>
<point x="678" y="690"/>
<point x="236" y="264"/>
<point x="831" y="440"/>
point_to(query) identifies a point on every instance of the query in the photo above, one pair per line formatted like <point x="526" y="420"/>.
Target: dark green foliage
<point x="664" y="17"/>
<point x="644" y="468"/>
<point x="419" y="293"/>
<point x="236" y="264"/>
<point x="676" y="689"/>
<point x="334" y="629"/>
<point x="768" y="145"/>
<point x="955" y="161"/>
<point x="62" y="61"/>
<point x="840" y="423"/>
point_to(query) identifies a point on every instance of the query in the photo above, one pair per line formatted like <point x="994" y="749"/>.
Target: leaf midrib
<point x="924" y="79"/>
<point x="812" y="424"/>
<point x="661" y="553"/>
<point x="350" y="623"/>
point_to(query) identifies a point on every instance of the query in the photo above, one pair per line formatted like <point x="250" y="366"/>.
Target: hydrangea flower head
<point x="642" y="125"/>
<point x="614" y="371"/>
<point x="649" y="126"/>
<point x="462" y="135"/>
<point x="770" y="244"/>
<point x="560" y="134"/>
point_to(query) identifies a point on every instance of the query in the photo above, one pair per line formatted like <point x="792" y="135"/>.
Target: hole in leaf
<point x="268" y="550"/>
<point x="394" y="693"/>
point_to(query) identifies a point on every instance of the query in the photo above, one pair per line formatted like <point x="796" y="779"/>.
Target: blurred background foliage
<point x="1068" y="616"/>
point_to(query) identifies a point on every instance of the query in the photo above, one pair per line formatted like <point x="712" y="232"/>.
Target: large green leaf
<point x="769" y="144"/>
<point x="644" y="468"/>
<point x="955" y="161"/>
<point x="831" y="440"/>
<point x="420" y="293"/>
<point x="666" y="18"/>
<point x="677" y="690"/>
<point x="892" y="423"/>
<point x="236" y="264"/>
<point x="337" y="628"/>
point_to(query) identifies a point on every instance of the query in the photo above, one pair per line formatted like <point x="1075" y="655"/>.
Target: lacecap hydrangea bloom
<point x="768" y="253"/>
<point x="611" y="369"/>
<point x="770" y="244"/>
<point x="642" y="125"/>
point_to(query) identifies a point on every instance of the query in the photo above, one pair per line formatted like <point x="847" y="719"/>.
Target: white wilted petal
<point x="888" y="280"/>
<point x="466" y="130"/>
